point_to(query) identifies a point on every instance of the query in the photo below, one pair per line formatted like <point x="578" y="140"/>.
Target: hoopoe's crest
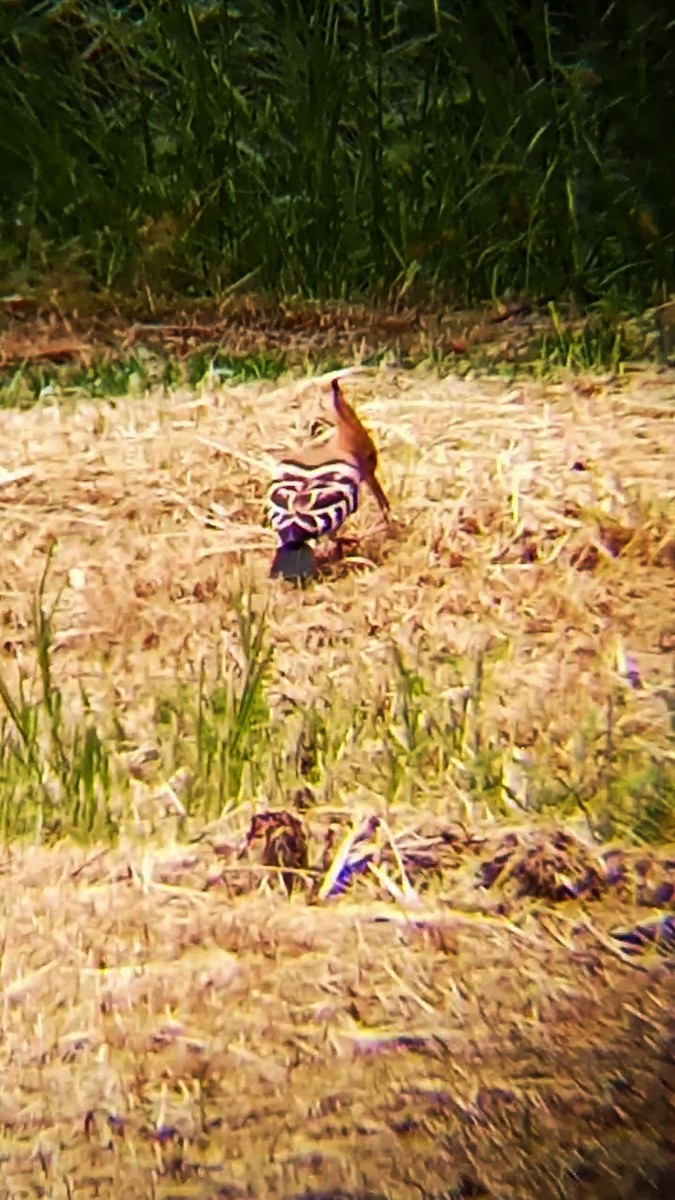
<point x="315" y="490"/>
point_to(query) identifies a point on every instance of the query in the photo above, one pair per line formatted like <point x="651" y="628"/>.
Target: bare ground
<point x="171" y="1029"/>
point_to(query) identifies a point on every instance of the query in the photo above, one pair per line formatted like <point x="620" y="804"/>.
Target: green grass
<point x="319" y="148"/>
<point x="123" y="374"/>
<point x="600" y="342"/>
<point x="416" y="737"/>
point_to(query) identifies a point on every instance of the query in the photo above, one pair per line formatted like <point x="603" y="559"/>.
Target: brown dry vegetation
<point x="174" y="1025"/>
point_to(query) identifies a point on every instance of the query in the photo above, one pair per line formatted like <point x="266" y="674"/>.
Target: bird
<point x="314" y="490"/>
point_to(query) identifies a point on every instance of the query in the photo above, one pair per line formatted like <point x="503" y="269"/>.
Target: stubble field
<point x="472" y="710"/>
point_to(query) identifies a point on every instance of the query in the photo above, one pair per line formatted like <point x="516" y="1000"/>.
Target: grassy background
<point x="335" y="149"/>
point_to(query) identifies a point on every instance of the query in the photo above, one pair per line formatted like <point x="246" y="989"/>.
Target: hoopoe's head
<point x="354" y="439"/>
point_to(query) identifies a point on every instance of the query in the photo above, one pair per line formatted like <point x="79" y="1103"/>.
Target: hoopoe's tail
<point x="295" y="563"/>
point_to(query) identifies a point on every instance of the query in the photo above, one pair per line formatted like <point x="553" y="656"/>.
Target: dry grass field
<point x="472" y="712"/>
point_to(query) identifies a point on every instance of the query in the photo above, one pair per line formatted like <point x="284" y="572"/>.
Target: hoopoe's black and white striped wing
<point x="308" y="502"/>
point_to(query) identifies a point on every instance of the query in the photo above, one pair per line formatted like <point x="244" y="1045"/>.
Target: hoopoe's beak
<point x="378" y="492"/>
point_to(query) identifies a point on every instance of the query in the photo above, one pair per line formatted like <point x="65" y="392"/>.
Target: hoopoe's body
<point x="315" y="490"/>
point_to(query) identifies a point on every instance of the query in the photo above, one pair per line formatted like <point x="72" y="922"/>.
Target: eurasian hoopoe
<point x="315" y="490"/>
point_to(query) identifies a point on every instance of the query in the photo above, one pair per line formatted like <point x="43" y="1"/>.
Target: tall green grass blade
<point x="326" y="148"/>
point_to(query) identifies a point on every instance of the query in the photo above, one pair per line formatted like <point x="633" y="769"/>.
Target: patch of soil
<point x="80" y="331"/>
